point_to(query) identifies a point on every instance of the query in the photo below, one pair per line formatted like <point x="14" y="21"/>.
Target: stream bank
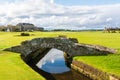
<point x="91" y="72"/>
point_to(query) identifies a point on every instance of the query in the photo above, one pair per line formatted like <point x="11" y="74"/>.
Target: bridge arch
<point x="40" y="46"/>
<point x="68" y="45"/>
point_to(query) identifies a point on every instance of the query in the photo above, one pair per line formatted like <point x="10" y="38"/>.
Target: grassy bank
<point x="13" y="68"/>
<point x="11" y="63"/>
<point x="109" y="63"/>
<point x="106" y="39"/>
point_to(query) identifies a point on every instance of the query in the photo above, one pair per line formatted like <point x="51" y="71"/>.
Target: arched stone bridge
<point x="69" y="45"/>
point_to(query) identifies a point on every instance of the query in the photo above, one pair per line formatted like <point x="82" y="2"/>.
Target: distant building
<point x="26" y="27"/>
<point x="12" y="28"/>
<point x="21" y="27"/>
<point x="8" y="30"/>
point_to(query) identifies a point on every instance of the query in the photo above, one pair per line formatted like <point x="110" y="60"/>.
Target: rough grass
<point x="11" y="65"/>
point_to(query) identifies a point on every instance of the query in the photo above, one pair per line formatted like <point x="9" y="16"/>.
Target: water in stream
<point x="54" y="64"/>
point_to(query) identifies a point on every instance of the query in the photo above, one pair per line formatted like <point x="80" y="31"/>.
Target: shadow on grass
<point x="23" y="36"/>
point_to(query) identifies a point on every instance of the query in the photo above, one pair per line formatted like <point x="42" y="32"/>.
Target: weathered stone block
<point x="68" y="45"/>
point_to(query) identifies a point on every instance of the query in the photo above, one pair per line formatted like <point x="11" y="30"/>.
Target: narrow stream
<point x="53" y="63"/>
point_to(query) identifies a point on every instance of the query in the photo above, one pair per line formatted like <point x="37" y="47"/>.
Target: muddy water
<point x="52" y="67"/>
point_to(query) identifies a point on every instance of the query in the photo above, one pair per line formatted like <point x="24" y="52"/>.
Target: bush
<point x="25" y="34"/>
<point x="62" y="36"/>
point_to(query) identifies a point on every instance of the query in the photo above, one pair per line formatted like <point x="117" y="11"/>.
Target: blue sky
<point x="2" y="1"/>
<point x="76" y="2"/>
<point x="63" y="14"/>
<point x="86" y="2"/>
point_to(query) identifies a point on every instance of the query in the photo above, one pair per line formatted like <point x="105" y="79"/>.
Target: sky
<point x="53" y="62"/>
<point x="86" y="2"/>
<point x="61" y="14"/>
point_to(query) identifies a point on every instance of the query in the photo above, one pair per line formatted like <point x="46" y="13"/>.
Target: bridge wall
<point x="68" y="45"/>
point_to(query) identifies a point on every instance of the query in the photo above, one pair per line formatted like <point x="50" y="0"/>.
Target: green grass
<point x="11" y="64"/>
<point x="13" y="68"/>
<point x="109" y="64"/>
<point x="106" y="39"/>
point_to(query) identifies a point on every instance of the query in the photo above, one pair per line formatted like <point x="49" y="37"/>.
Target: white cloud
<point x="45" y="13"/>
<point x="109" y="19"/>
<point x="52" y="1"/>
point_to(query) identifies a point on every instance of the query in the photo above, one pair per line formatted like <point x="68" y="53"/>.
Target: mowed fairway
<point x="13" y="68"/>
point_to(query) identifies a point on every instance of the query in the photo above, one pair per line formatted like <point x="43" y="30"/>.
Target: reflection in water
<point x="52" y="67"/>
<point x="53" y="62"/>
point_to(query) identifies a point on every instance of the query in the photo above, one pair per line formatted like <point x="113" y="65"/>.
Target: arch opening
<point x="53" y="62"/>
<point x="50" y="60"/>
<point x="45" y="65"/>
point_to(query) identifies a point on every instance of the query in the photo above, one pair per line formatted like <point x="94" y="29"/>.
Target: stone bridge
<point x="30" y="49"/>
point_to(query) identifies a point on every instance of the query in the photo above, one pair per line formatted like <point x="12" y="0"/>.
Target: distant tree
<point x="39" y="29"/>
<point x="3" y="28"/>
<point x="13" y="28"/>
